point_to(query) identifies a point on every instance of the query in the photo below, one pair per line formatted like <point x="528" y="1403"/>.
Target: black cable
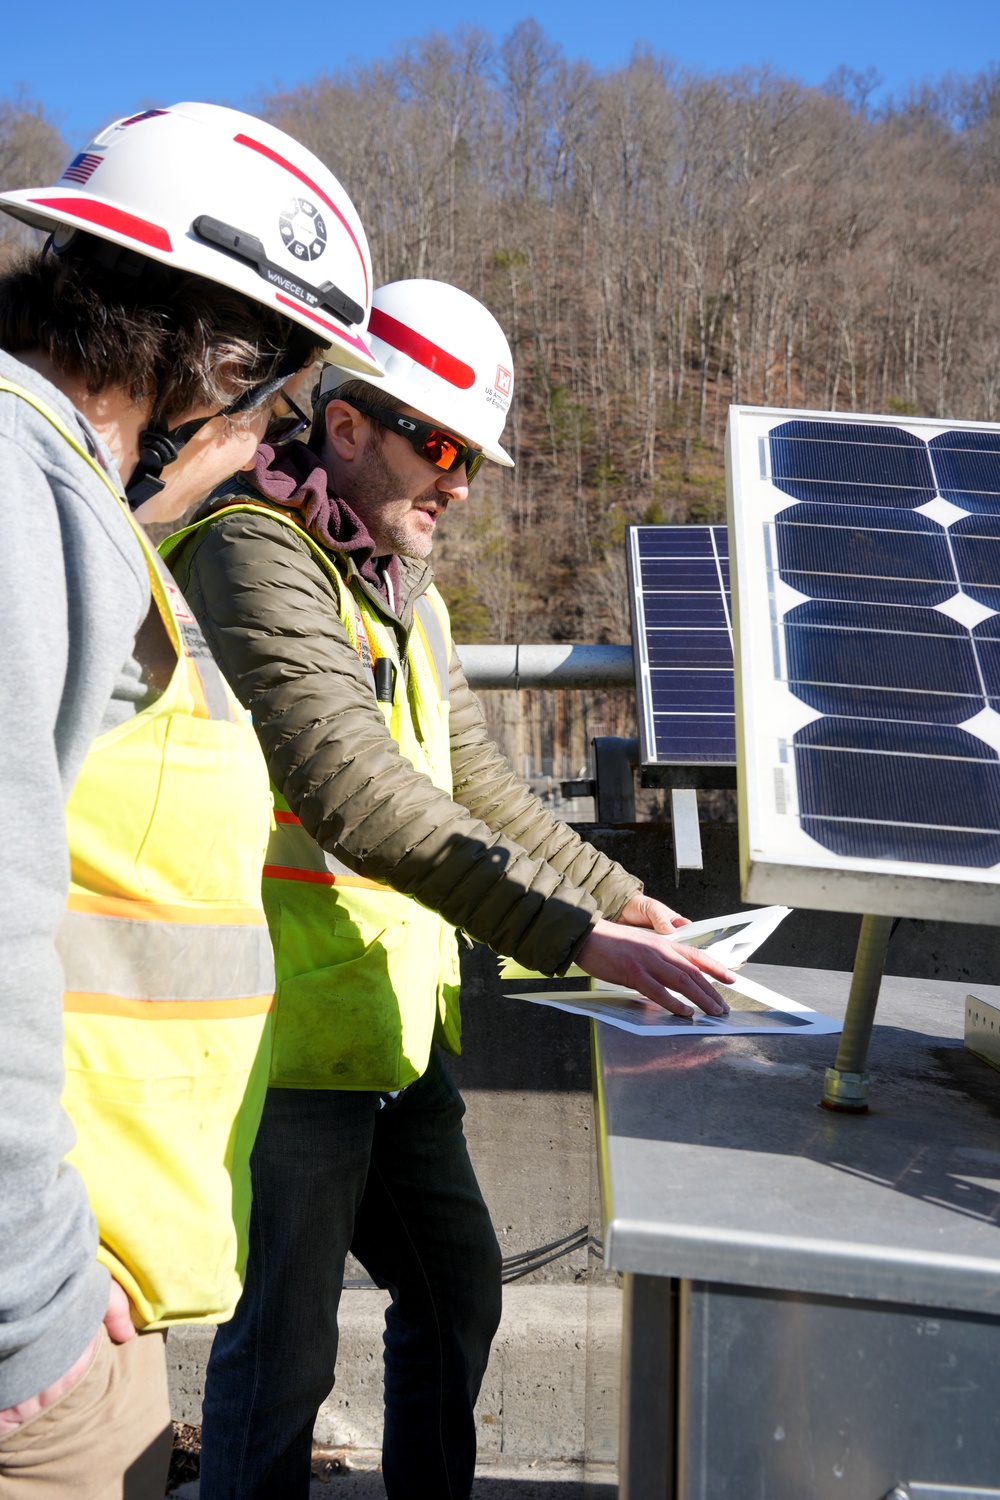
<point x="536" y="1265"/>
<point x="513" y="1267"/>
<point x="577" y="1237"/>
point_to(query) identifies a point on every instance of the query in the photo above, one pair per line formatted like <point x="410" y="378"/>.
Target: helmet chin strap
<point x="159" y="446"/>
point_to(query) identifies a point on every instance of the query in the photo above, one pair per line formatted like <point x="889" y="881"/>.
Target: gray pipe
<point x="565" y="666"/>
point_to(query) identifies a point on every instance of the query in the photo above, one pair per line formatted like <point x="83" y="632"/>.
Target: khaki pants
<point x="108" y="1438"/>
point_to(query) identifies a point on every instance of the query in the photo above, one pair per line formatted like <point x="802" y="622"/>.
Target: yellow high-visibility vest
<point x="367" y="978"/>
<point x="169" y="975"/>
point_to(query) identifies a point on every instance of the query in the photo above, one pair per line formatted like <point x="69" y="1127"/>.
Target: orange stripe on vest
<point x="166" y="1010"/>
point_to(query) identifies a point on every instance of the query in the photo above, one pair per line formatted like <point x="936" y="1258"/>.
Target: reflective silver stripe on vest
<point x="197" y="648"/>
<point x="140" y="960"/>
<point x="212" y="686"/>
<point x="431" y="622"/>
<point x="290" y="847"/>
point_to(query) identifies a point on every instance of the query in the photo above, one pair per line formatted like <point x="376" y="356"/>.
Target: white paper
<point x="731" y="939"/>
<point x="754" y="1010"/>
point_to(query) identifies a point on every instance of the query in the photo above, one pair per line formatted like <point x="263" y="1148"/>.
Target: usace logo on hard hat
<point x="503" y="380"/>
<point x="302" y="229"/>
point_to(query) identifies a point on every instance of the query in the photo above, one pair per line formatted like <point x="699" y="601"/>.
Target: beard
<point x="375" y="489"/>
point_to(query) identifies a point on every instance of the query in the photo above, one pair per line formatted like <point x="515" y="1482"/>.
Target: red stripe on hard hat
<point x="93" y="212"/>
<point x="246" y="140"/>
<point x="430" y="355"/>
<point x="348" y="338"/>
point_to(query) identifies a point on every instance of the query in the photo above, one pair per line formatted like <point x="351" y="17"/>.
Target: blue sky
<point x="88" y="66"/>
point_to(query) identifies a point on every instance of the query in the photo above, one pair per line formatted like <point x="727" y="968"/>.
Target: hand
<point x="118" y="1315"/>
<point x="643" y="911"/>
<point x="117" y="1321"/>
<point x="650" y="963"/>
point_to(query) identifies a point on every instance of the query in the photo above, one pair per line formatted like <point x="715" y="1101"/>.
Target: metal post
<point x="846" y="1083"/>
<point x="646" y="1459"/>
<point x="687" y="833"/>
<point x="615" y="789"/>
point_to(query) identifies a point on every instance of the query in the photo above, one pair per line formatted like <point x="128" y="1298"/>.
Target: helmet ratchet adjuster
<point x="247" y="247"/>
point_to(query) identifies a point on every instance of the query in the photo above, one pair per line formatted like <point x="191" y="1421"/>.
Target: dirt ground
<point x="339" y="1474"/>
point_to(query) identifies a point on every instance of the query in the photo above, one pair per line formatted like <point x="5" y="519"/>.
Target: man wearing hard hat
<point x="198" y="259"/>
<point x="397" y="821"/>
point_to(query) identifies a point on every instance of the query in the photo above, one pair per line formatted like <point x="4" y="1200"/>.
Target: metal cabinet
<point x="812" y="1300"/>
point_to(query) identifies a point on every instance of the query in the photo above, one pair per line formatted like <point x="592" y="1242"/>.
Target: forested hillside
<point x="658" y="244"/>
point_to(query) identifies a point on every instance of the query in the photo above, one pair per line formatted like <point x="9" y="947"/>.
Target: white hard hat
<point x="230" y="198"/>
<point x="445" y="355"/>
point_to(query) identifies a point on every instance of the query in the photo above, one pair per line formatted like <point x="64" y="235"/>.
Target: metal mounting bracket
<point x="687" y="832"/>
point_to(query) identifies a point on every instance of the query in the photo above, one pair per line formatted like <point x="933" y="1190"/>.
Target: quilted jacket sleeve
<point x="488" y="788"/>
<point x="271" y="617"/>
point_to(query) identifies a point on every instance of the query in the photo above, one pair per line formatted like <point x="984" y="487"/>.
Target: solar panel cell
<point x="709" y="649"/>
<point x="967" y="467"/>
<point x="874" y="662"/>
<point x="975" y="543"/>
<point x="710" y="692"/>
<point x="899" y="791"/>
<point x="851" y="462"/>
<point x="685" y="611"/>
<point x="687" y="739"/>
<point x="986" y="638"/>
<point x="847" y="552"/>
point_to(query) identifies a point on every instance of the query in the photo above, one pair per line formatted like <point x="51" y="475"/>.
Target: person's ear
<point x="344" y="431"/>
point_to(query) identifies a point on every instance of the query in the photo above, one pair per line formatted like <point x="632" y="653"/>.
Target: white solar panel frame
<point x="779" y="861"/>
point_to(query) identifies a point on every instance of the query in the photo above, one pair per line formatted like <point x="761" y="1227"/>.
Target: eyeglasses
<point x="435" y="444"/>
<point x="283" y="427"/>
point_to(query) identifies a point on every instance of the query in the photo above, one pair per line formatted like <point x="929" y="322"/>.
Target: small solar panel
<point x="868" y="575"/>
<point x="683" y="645"/>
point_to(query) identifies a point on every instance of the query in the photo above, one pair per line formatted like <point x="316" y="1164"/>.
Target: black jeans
<point x="392" y="1181"/>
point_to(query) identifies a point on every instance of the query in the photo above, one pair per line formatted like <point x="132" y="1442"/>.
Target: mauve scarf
<point x="293" y="477"/>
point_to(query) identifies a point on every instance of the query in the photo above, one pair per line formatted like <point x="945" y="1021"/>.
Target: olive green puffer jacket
<point x="493" y="860"/>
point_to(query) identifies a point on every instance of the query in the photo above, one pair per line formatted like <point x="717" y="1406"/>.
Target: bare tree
<point x="32" y="153"/>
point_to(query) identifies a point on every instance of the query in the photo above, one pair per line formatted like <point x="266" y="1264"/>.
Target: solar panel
<point x="683" y="647"/>
<point x="867" y="558"/>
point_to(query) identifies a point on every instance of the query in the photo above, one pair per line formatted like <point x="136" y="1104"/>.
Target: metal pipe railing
<point x="563" y="666"/>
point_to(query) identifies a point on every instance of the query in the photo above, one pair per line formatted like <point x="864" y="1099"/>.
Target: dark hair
<point x="119" y="320"/>
<point x="351" y="390"/>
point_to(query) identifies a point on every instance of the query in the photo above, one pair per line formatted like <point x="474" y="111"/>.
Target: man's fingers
<point x="659" y="969"/>
<point x="642" y="911"/>
<point x="710" y="965"/>
<point x="664" y="983"/>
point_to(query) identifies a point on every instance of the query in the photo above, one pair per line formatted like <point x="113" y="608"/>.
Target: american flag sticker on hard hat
<point x="82" y="168"/>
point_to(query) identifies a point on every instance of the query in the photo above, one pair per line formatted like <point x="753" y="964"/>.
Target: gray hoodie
<point x="73" y="592"/>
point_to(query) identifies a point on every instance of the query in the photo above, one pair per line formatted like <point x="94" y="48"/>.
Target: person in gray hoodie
<point x="127" y="344"/>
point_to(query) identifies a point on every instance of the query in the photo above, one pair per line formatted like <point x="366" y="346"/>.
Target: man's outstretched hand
<point x="636" y="951"/>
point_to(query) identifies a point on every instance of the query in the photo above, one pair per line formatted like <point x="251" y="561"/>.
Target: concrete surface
<point x="539" y="1479"/>
<point x="557" y="1348"/>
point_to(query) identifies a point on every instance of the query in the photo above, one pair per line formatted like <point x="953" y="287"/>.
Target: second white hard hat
<point x="445" y="355"/>
<point x="230" y="198"/>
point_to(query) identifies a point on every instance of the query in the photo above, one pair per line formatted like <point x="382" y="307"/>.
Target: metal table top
<point x="717" y="1163"/>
